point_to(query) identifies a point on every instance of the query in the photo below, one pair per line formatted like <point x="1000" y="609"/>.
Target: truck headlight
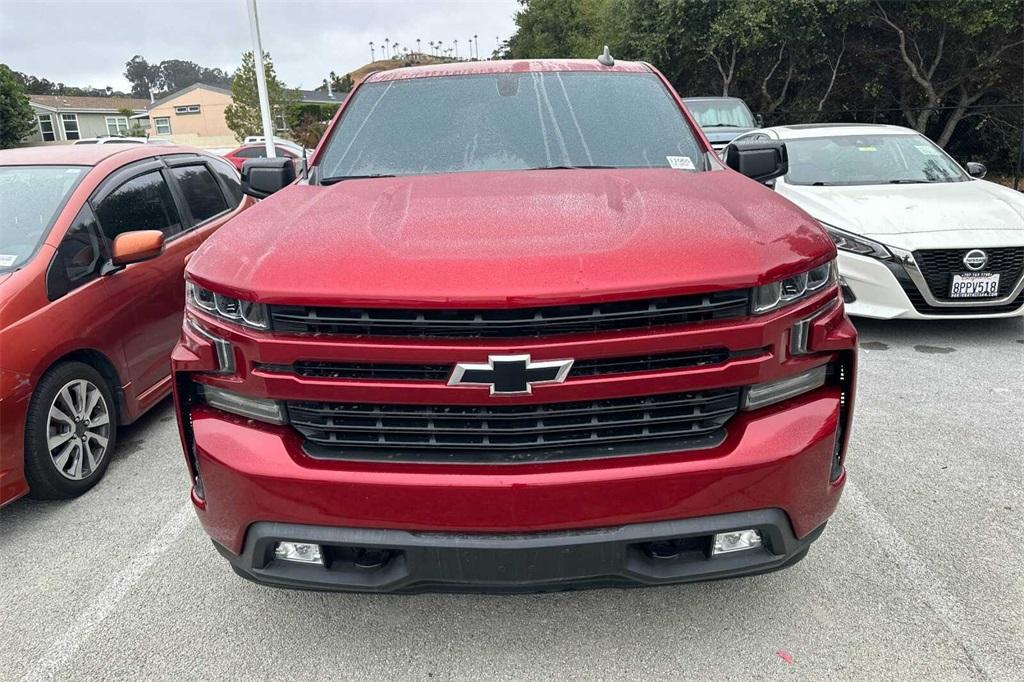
<point x="847" y="241"/>
<point x="227" y="308"/>
<point x="792" y="289"/>
<point x="260" y="409"/>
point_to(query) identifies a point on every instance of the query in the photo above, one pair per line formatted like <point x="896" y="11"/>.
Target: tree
<point x="170" y="76"/>
<point x="243" y="114"/>
<point x="17" y="120"/>
<point x="950" y="53"/>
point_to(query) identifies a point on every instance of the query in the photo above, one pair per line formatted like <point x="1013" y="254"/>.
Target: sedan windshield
<point x="721" y="113"/>
<point x="869" y="160"/>
<point x="30" y="199"/>
<point x="510" y="121"/>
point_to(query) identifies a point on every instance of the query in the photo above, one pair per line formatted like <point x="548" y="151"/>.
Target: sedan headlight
<point x="853" y="243"/>
<point x="227" y="308"/>
<point x="792" y="289"/>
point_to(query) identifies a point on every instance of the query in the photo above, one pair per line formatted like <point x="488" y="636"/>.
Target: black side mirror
<point x="761" y="161"/>
<point x="263" y="177"/>
<point x="976" y="170"/>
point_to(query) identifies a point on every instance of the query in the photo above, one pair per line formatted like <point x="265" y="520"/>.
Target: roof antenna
<point x="606" y="58"/>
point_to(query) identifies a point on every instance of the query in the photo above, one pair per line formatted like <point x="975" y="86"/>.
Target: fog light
<point x="736" y="541"/>
<point x="300" y="552"/>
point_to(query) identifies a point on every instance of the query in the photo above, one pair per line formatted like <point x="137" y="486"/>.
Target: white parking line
<point x="107" y="601"/>
<point x="922" y="580"/>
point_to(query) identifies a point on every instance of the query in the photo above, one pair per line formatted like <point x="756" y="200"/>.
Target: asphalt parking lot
<point x="920" y="573"/>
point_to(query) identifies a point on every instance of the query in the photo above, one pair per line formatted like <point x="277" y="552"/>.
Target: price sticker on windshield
<point x="681" y="162"/>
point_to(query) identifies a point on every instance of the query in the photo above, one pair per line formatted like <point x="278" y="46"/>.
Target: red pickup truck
<point x="518" y="328"/>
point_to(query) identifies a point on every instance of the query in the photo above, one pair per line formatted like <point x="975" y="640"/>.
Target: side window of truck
<point x="142" y="203"/>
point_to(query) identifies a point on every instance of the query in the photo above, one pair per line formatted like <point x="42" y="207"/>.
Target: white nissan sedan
<point x="919" y="237"/>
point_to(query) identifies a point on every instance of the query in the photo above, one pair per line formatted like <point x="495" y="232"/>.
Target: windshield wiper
<point x="567" y="167"/>
<point x="912" y="182"/>
<point x="338" y="178"/>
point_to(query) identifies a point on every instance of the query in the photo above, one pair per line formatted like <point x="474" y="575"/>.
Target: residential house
<point x="61" y="118"/>
<point x="193" y="116"/>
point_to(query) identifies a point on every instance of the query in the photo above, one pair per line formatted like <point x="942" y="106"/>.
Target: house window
<point x="117" y="125"/>
<point x="46" y="127"/>
<point x="188" y="109"/>
<point x="70" y="122"/>
<point x="163" y="125"/>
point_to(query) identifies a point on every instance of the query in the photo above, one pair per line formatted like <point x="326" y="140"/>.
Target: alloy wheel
<point x="78" y="429"/>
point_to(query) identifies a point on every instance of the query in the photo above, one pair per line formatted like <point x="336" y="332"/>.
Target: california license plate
<point x="974" y="285"/>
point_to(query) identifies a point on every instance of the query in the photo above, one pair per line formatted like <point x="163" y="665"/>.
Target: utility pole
<point x="261" y="79"/>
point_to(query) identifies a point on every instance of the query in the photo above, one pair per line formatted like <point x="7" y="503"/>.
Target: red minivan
<point x="93" y="246"/>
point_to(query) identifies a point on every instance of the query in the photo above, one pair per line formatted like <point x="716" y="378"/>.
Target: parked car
<point x="919" y="236"/>
<point x="478" y="349"/>
<point x="722" y="118"/>
<point x="295" y="147"/>
<point x="111" y="139"/>
<point x="93" y="245"/>
<point x="259" y="151"/>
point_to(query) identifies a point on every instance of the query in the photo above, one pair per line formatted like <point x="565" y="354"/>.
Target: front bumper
<point x="620" y="556"/>
<point x="884" y="290"/>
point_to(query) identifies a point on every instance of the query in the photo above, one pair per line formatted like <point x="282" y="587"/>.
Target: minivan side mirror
<point x="761" y="161"/>
<point x="976" y="170"/>
<point x="136" y="246"/>
<point x="263" y="177"/>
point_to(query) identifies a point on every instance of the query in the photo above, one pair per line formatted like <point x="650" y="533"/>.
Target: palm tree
<point x="456" y="48"/>
<point x="431" y="43"/>
<point x="475" y="40"/>
<point x="387" y="50"/>
<point x="373" y="55"/>
<point x="418" y="46"/>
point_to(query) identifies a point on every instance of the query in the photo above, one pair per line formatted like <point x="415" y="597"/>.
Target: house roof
<point x="99" y="104"/>
<point x="320" y="97"/>
<point x="179" y="93"/>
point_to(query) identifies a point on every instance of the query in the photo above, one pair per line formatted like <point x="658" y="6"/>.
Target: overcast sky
<point x="87" y="42"/>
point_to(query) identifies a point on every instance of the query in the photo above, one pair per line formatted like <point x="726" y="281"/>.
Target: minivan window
<point x="31" y="197"/>
<point x="142" y="203"/>
<point x="510" y="121"/>
<point x="202" y="193"/>
<point x="229" y="175"/>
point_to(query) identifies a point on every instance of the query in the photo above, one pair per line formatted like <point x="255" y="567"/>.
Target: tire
<point x="70" y="432"/>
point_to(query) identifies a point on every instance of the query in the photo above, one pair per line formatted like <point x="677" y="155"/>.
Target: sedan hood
<point x="912" y="215"/>
<point x="510" y="238"/>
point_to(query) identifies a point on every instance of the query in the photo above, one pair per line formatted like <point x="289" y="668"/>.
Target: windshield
<point x="30" y="199"/>
<point x="510" y="121"/>
<point x="868" y="160"/>
<point x="721" y="113"/>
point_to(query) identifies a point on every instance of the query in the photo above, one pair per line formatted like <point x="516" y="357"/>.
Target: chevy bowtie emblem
<point x="510" y="374"/>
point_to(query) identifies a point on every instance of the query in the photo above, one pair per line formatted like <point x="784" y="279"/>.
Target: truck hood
<point x="510" y="238"/>
<point x="939" y="215"/>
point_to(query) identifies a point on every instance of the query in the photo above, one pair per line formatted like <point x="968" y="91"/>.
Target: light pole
<point x="261" y="79"/>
